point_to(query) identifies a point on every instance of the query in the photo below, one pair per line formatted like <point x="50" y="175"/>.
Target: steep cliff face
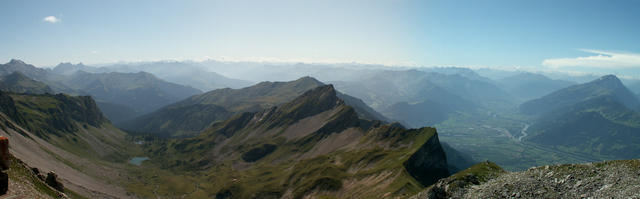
<point x="429" y="163"/>
<point x="8" y="107"/>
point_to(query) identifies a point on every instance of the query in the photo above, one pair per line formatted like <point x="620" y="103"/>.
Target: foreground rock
<point x="28" y="182"/>
<point x="457" y="185"/>
<point x="611" y="179"/>
<point x="52" y="180"/>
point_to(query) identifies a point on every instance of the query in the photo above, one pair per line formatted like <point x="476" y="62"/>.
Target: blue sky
<point x="553" y="34"/>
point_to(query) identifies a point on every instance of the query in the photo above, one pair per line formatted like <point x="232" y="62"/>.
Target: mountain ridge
<point x="608" y="85"/>
<point x="324" y="143"/>
<point x="200" y="111"/>
<point x="597" y="118"/>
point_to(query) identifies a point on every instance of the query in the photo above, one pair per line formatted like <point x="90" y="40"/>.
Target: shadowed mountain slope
<point x="597" y="118"/>
<point x="16" y="82"/>
<point x="141" y="91"/>
<point x="605" y="86"/>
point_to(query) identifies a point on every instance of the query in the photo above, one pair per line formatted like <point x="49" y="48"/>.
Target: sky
<point x="583" y="35"/>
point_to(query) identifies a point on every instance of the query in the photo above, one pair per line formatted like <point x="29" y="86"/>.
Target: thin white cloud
<point x="602" y="59"/>
<point x="51" y="19"/>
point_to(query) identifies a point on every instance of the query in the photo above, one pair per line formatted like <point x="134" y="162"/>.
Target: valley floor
<point x="503" y="140"/>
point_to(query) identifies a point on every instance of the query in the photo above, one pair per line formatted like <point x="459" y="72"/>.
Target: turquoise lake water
<point x="138" y="160"/>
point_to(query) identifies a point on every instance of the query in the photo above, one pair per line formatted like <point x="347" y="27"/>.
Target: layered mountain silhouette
<point x="142" y="92"/>
<point x="417" y="98"/>
<point x="181" y="73"/>
<point x="529" y="86"/>
<point x="384" y="89"/>
<point x="69" y="69"/>
<point x="24" y="68"/>
<point x="597" y="118"/>
<point x="16" y="82"/>
<point x="37" y="74"/>
<point x="122" y="95"/>
<point x="605" y="86"/>
<point x="313" y="145"/>
<point x="190" y="116"/>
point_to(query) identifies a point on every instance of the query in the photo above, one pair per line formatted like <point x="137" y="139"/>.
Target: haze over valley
<point x="249" y="99"/>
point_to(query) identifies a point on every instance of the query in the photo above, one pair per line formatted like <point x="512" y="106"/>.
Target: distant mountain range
<point x="122" y="95"/>
<point x="419" y="98"/>
<point x="527" y="86"/>
<point x="142" y="92"/>
<point x="24" y="68"/>
<point x="177" y="72"/>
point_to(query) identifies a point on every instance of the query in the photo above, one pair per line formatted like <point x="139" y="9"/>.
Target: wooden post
<point x="4" y="164"/>
<point x="4" y="153"/>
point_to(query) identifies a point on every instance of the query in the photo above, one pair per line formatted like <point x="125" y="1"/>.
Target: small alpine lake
<point x="138" y="160"/>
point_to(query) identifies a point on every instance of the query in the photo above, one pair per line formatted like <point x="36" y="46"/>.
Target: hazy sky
<point x="557" y="34"/>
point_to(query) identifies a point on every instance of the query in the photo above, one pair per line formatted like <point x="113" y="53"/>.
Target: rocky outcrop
<point x="457" y="185"/>
<point x="429" y="163"/>
<point x="28" y="182"/>
<point x="52" y="180"/>
<point x="611" y="179"/>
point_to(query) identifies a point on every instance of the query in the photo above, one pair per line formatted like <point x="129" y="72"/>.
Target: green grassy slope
<point x="313" y="146"/>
